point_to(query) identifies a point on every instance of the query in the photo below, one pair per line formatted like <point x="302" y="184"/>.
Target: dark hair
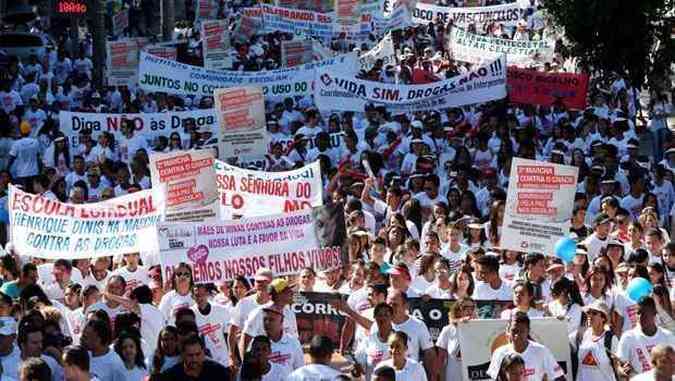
<point x="26" y="328"/>
<point x="508" y="361"/>
<point x="647" y="302"/>
<point x="127" y="322"/>
<point x="385" y="373"/>
<point x="173" y="274"/>
<point x="532" y="259"/>
<point x="101" y="329"/>
<point x="140" y="359"/>
<point x="35" y="369"/>
<point x="158" y="356"/>
<point x="65" y="263"/>
<point x="321" y="347"/>
<point x="186" y="327"/>
<point x="182" y="312"/>
<point x="382" y="306"/>
<point x="27" y="268"/>
<point x="527" y="285"/>
<point x="76" y="355"/>
<point x="454" y="280"/>
<point x="520" y="317"/>
<point x="564" y="286"/>
<point x="142" y="294"/>
<point x="191" y="340"/>
<point x="491" y="262"/>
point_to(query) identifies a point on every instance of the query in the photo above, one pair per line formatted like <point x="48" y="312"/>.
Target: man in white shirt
<point x="598" y="240"/>
<point x="10" y="355"/>
<point x="211" y="320"/>
<point x="320" y="352"/>
<point x="134" y="275"/>
<point x="663" y="365"/>
<point x="636" y="344"/>
<point x="539" y="360"/>
<point x="490" y="285"/>
<point x="106" y="364"/>
<point x="25" y="153"/>
<point x="286" y="350"/>
<point x="131" y="142"/>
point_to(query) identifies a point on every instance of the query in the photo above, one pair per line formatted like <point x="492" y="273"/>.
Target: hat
<point x="614" y="242"/>
<point x="7" y="326"/>
<point x="557" y="152"/>
<point x="25" y="128"/>
<point x="555" y="267"/>
<point x="400" y="269"/>
<point x="601" y="218"/>
<point x="264" y="274"/>
<point x="280" y="285"/>
<point x="418" y="124"/>
<point x="599" y="306"/>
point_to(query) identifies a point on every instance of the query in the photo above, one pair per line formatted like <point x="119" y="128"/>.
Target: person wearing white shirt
<point x="134" y="274"/>
<point x="663" y="365"/>
<point x="24" y="157"/>
<point x="489" y="285"/>
<point x="636" y="344"/>
<point x="30" y="343"/>
<point x="286" y="350"/>
<point x="599" y="239"/>
<point x="106" y="365"/>
<point x="211" y="320"/>
<point x="374" y="348"/>
<point x="258" y="359"/>
<point x="320" y="353"/>
<point x="180" y="296"/>
<point x="131" y="143"/>
<point x="419" y="338"/>
<point x="405" y="367"/>
<point x="539" y="361"/>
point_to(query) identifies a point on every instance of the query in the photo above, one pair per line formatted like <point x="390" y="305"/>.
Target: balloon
<point x="384" y="268"/>
<point x="565" y="249"/>
<point x="638" y="288"/>
<point x="4" y="216"/>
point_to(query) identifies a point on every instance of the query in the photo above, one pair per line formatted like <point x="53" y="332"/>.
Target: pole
<point x="99" y="37"/>
<point x="168" y="19"/>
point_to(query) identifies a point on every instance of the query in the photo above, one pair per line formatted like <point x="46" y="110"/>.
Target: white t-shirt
<point x="370" y="352"/>
<point x="242" y="310"/>
<point x="275" y="373"/>
<point x="26" y="152"/>
<point x="538" y="362"/>
<point x="531" y="313"/>
<point x="314" y="372"/>
<point x="635" y="347"/>
<point x="435" y="292"/>
<point x="627" y="309"/>
<point x="11" y="363"/>
<point x="594" y="365"/>
<point x="57" y="370"/>
<point x="212" y="327"/>
<point x="456" y="258"/>
<point x="287" y="353"/>
<point x="152" y="322"/>
<point x="112" y="312"/>
<point x="135" y="278"/>
<point x="172" y="302"/>
<point x="419" y="337"/>
<point x="135" y="374"/>
<point x="411" y="371"/>
<point x="254" y="324"/>
<point x="449" y="340"/>
<point x="484" y="291"/>
<point x="108" y="367"/>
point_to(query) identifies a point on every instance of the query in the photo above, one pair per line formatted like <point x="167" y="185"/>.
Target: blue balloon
<point x="565" y="249"/>
<point x="638" y="288"/>
<point x="4" y="216"/>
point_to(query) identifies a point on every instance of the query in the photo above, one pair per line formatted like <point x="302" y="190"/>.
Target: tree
<point x="615" y="35"/>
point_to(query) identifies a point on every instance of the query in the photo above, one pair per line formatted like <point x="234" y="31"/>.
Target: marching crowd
<point x="424" y="198"/>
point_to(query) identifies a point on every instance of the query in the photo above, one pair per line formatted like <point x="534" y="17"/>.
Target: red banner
<point x="539" y="88"/>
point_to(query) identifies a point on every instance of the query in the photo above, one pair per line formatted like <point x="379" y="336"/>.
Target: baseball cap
<point x="7" y="326"/>
<point x="400" y="269"/>
<point x="264" y="274"/>
<point x="280" y="285"/>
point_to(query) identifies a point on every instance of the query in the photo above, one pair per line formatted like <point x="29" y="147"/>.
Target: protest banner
<point x="294" y="53"/>
<point x="120" y="21"/>
<point x="337" y="91"/>
<point x="206" y="9"/>
<point x="399" y="18"/>
<point x="384" y="51"/>
<point x="248" y="193"/>
<point x="149" y="125"/>
<point x="284" y="243"/>
<point x="505" y="14"/>
<point x="539" y="88"/>
<point x="122" y="61"/>
<point x="435" y="313"/>
<point x="45" y="228"/>
<point x="160" y="50"/>
<point x="321" y="6"/>
<point x="475" y="48"/>
<point x="297" y="22"/>
<point x="190" y="184"/>
<point x="161" y="75"/>
<point x="539" y="204"/>
<point x="240" y="112"/>
<point x="215" y="42"/>
<point x="316" y="315"/>
<point x="479" y="339"/>
<point x="247" y="27"/>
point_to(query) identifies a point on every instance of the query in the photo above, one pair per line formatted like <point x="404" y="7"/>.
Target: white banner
<point x="539" y="205"/>
<point x="347" y="16"/>
<point x="215" y="42"/>
<point x="241" y="122"/>
<point x="283" y="243"/>
<point x="149" y="125"/>
<point x="506" y="14"/>
<point x="257" y="193"/>
<point x="335" y="91"/>
<point x="384" y="51"/>
<point x="190" y="184"/>
<point x="45" y="228"/>
<point x="474" y="48"/>
<point x="480" y="338"/>
<point x="122" y="61"/>
<point x="400" y="18"/>
<point x="298" y="22"/>
<point x="157" y="74"/>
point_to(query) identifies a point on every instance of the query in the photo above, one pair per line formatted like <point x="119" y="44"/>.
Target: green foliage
<point x="614" y="35"/>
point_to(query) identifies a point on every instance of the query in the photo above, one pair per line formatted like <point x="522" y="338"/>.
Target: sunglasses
<point x="184" y="274"/>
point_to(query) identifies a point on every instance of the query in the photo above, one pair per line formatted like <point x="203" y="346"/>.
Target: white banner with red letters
<point x="190" y="184"/>
<point x="248" y="193"/>
<point x="122" y="61"/>
<point x="284" y="243"/>
<point x="46" y="228"/>
<point x="539" y="205"/>
<point x="215" y="42"/>
<point x="241" y="120"/>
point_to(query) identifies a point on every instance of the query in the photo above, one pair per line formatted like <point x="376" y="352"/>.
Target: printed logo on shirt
<point x="632" y="315"/>
<point x="589" y="360"/>
<point x="280" y="358"/>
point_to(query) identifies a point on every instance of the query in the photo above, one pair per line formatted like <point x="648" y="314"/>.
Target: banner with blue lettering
<point x="47" y="228"/>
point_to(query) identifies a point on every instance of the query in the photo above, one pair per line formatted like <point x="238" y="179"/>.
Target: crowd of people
<point x="424" y="199"/>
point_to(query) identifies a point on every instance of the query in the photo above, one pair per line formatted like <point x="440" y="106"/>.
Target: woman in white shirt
<point x="447" y="344"/>
<point x="166" y="355"/>
<point x="405" y="368"/>
<point x="594" y="344"/>
<point x="441" y="287"/>
<point x="128" y="347"/>
<point x="566" y="303"/>
<point x="180" y="296"/>
<point x="598" y="287"/>
<point x="523" y="299"/>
